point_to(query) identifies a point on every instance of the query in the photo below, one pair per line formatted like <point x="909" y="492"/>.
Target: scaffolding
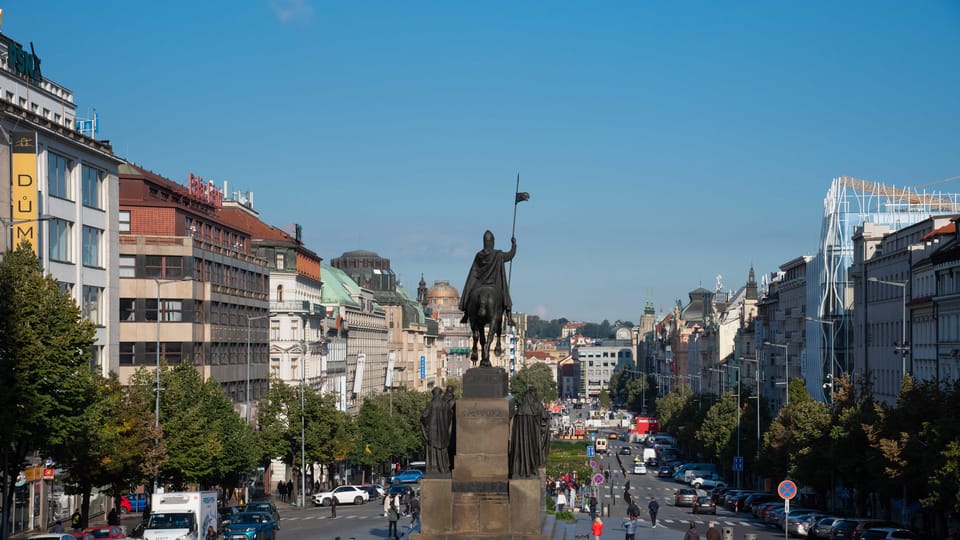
<point x="849" y="203"/>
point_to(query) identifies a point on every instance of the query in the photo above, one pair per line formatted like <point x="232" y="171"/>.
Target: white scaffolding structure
<point x="849" y="203"/>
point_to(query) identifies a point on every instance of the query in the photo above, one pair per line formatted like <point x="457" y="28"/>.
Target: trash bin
<point x="728" y="533"/>
<point x="750" y="536"/>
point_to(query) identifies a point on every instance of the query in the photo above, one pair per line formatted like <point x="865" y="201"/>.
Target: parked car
<point x="756" y="498"/>
<point x="376" y="491"/>
<point x="409" y="476"/>
<point x="887" y="533"/>
<point x="344" y="495"/>
<point x="81" y="535"/>
<point x="266" y="507"/>
<point x="851" y="529"/>
<point x="823" y="526"/>
<point x="51" y="536"/>
<point x="664" y="472"/>
<point x="224" y="513"/>
<point x="684" y="497"/>
<point x="704" y="505"/>
<point x="134" y="502"/>
<point x="250" y="526"/>
<point x="799" y="524"/>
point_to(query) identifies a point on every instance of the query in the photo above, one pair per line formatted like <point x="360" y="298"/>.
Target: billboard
<point x="358" y="374"/>
<point x="24" y="177"/>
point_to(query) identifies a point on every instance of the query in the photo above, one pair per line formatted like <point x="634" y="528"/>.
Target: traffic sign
<point x="598" y="479"/>
<point x="787" y="490"/>
<point x="593" y="464"/>
<point x="590" y="451"/>
<point x="737" y="463"/>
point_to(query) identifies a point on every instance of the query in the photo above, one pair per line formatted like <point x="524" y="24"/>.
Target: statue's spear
<point x="519" y="197"/>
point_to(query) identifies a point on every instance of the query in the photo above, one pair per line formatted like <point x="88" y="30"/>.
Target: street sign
<point x="737" y="463"/>
<point x="593" y="464"/>
<point x="787" y="490"/>
<point x="598" y="479"/>
<point x="591" y="451"/>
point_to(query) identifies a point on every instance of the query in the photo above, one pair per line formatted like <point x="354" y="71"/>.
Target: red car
<point x="106" y="532"/>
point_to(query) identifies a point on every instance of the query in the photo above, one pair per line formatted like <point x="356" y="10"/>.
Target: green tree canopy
<point x="538" y="376"/>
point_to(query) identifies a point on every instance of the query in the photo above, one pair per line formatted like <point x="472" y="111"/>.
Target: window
<point x="128" y="310"/>
<point x="279" y="293"/>
<point x="170" y="310"/>
<point x="280" y="261"/>
<point x="171" y="352"/>
<point x="128" y="265"/>
<point x="91" y="246"/>
<point x="124" y="221"/>
<point x="91" y="303"/>
<point x="57" y="167"/>
<point x="92" y="180"/>
<point x="59" y="240"/>
<point x="127" y="353"/>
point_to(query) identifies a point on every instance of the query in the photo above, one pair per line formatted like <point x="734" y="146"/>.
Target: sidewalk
<point x="612" y="528"/>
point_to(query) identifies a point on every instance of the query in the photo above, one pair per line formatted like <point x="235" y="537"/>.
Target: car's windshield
<point x="245" y="518"/>
<point x="171" y="520"/>
<point x="101" y="533"/>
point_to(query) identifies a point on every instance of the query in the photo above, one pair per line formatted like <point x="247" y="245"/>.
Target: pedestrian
<point x="112" y="517"/>
<point x="282" y="491"/>
<point x="633" y="510"/>
<point x="414" y="511"/>
<point x="289" y="490"/>
<point x="561" y="502"/>
<point x="592" y="504"/>
<point x="57" y="527"/>
<point x="76" y="520"/>
<point x="692" y="533"/>
<point x="627" y="498"/>
<point x="333" y="507"/>
<point x="653" y="507"/>
<point x="211" y="533"/>
<point x="630" y="527"/>
<point x="386" y="504"/>
<point x="597" y="528"/>
<point x="393" y="515"/>
<point x="713" y="533"/>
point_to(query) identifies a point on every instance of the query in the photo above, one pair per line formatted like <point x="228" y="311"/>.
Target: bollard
<point x="606" y="510"/>
<point x="750" y="536"/>
<point x="728" y="533"/>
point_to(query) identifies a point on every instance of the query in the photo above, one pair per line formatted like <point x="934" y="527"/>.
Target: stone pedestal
<point x="479" y="501"/>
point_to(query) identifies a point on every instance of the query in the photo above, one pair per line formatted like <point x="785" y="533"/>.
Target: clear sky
<point x="662" y="143"/>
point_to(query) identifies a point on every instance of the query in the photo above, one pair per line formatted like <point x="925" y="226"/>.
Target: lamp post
<point x="739" y="469"/>
<point x="786" y="362"/>
<point x="903" y="348"/>
<point x="833" y="360"/>
<point x="8" y="227"/>
<point x="160" y="282"/>
<point x="247" y="397"/>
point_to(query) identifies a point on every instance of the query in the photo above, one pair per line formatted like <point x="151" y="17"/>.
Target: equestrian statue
<point x="486" y="298"/>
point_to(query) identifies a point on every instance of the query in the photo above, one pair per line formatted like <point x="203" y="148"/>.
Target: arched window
<point x="279" y="293"/>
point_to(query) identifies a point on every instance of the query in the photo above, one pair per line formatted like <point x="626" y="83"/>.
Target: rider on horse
<point x="488" y="269"/>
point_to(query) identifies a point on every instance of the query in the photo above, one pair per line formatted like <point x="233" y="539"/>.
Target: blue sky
<point x="662" y="143"/>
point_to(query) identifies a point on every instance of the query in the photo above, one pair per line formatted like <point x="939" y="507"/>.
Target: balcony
<point x="297" y="306"/>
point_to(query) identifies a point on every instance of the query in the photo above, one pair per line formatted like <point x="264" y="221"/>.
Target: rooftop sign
<point x="24" y="64"/>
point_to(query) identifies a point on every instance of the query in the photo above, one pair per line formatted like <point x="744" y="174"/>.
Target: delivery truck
<point x="182" y="515"/>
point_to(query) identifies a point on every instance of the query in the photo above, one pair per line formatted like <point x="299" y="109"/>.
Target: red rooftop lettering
<point x="206" y="193"/>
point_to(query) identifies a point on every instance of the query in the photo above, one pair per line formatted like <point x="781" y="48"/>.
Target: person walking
<point x="414" y="511"/>
<point x="386" y="504"/>
<point x="290" y="491"/>
<point x="282" y="491"/>
<point x="630" y="528"/>
<point x="592" y="505"/>
<point x="57" y="527"/>
<point x="333" y="507"/>
<point x="597" y="528"/>
<point x="561" y="502"/>
<point x="692" y="533"/>
<point x="112" y="517"/>
<point x="653" y="507"/>
<point x="75" y="520"/>
<point x="393" y="516"/>
<point x="713" y="533"/>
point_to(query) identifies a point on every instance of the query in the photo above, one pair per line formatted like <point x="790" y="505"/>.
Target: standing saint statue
<point x="436" y="423"/>
<point x="488" y="269"/>
<point x="529" y="436"/>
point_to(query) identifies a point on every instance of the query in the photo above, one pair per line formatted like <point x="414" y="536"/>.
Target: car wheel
<point x="123" y="510"/>
<point x="358" y="500"/>
<point x="324" y="502"/>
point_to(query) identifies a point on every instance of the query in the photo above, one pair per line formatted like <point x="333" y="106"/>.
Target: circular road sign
<point x="598" y="479"/>
<point x="787" y="490"/>
<point x="593" y="464"/>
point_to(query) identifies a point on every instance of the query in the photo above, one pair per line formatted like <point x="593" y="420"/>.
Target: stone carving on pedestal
<point x="529" y="436"/>
<point x="437" y="424"/>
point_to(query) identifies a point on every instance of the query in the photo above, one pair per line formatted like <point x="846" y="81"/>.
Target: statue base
<point x="485" y="382"/>
<point x="479" y="501"/>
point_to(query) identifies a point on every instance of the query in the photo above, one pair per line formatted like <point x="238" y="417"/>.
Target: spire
<point x="422" y="292"/>
<point x="751" y="292"/>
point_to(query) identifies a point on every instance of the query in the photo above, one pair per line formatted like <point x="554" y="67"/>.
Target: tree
<point x="604" y="399"/>
<point x="794" y="444"/>
<point x="538" y="376"/>
<point x="44" y="365"/>
<point x="717" y="433"/>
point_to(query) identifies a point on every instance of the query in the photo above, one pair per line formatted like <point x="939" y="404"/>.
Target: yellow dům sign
<point x="24" y="178"/>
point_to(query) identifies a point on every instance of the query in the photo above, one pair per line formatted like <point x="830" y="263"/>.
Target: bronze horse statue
<point x="485" y="309"/>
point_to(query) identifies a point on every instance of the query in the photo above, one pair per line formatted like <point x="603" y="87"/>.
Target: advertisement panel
<point x="423" y="367"/>
<point x="24" y="178"/>
<point x="358" y="374"/>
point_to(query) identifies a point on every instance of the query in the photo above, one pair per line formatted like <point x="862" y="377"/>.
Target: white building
<point x="62" y="194"/>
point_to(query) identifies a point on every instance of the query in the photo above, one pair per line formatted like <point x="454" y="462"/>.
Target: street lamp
<point x="8" y="227"/>
<point x="739" y="469"/>
<point x="786" y="364"/>
<point x="160" y="282"/>
<point x="903" y="348"/>
<point x="247" y="398"/>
